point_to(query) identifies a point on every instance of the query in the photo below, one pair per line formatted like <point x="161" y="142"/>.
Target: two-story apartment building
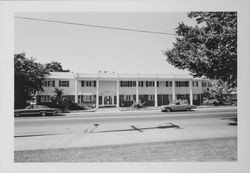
<point x="121" y="90"/>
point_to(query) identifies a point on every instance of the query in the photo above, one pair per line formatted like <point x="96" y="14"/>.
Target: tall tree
<point x="55" y="67"/>
<point x="209" y="48"/>
<point x="28" y="77"/>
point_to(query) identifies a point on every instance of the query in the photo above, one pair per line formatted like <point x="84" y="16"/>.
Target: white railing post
<point x="117" y="94"/>
<point x="191" y="92"/>
<point x="156" y="100"/>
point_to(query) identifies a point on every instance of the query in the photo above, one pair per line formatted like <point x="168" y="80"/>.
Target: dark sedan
<point x="36" y="110"/>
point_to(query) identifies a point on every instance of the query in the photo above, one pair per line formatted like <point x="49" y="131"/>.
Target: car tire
<point x="168" y="109"/>
<point x="43" y="113"/>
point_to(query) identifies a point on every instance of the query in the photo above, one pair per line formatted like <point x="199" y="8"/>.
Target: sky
<point x="89" y="50"/>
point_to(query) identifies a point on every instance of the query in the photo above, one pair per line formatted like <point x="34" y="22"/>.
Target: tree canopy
<point x="55" y="67"/>
<point x="29" y="75"/>
<point x="208" y="48"/>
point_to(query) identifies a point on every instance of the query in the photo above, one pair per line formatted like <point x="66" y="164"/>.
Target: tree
<point x="28" y="78"/>
<point x="209" y="48"/>
<point x="219" y="92"/>
<point x="57" y="99"/>
<point x="55" y="67"/>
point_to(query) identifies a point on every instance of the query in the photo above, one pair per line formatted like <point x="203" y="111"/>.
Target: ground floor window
<point x="195" y="96"/>
<point x="88" y="98"/>
<point x="45" y="99"/>
<point x="128" y="97"/>
<point x="151" y="97"/>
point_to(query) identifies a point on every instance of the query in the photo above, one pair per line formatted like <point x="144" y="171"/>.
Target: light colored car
<point x="177" y="107"/>
<point x="36" y="110"/>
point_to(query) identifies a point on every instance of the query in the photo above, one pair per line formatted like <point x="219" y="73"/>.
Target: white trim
<point x="191" y="92"/>
<point x="97" y="93"/>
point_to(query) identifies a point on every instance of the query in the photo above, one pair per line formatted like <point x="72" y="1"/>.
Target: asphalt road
<point x="82" y="121"/>
<point x="199" y="133"/>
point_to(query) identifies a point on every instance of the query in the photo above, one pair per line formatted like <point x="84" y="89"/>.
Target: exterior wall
<point x="66" y="90"/>
<point x="108" y="87"/>
<point x="162" y="89"/>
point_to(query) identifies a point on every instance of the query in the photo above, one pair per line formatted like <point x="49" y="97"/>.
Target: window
<point x="48" y="83"/>
<point x="195" y="96"/>
<point x="45" y="99"/>
<point x="63" y="83"/>
<point x="127" y="83"/>
<point x="195" y="84"/>
<point x="158" y="83"/>
<point x="88" y="98"/>
<point x="150" y="83"/>
<point x="168" y="83"/>
<point x="128" y="97"/>
<point x="140" y="83"/>
<point x="151" y="97"/>
<point x="204" y="84"/>
<point x="181" y="83"/>
<point x="88" y="83"/>
<point x="209" y="84"/>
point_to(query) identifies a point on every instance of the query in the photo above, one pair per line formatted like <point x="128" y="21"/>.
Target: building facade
<point x="122" y="90"/>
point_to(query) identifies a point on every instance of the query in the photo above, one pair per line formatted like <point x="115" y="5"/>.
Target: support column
<point x="97" y="93"/>
<point x="156" y="100"/>
<point x="191" y="92"/>
<point x="76" y="88"/>
<point x="117" y="94"/>
<point x="137" y="91"/>
<point x="173" y="86"/>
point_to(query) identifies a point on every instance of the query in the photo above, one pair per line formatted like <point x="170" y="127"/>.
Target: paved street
<point x="89" y="129"/>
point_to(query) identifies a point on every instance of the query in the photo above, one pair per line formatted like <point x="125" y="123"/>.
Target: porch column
<point x="191" y="92"/>
<point x="97" y="93"/>
<point x="156" y="100"/>
<point x="76" y="88"/>
<point x="173" y="86"/>
<point x="117" y="94"/>
<point x="137" y="91"/>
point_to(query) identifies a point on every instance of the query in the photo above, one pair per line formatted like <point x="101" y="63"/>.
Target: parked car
<point x="177" y="107"/>
<point x="36" y="110"/>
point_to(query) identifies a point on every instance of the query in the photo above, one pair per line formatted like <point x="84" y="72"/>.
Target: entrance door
<point x="107" y="100"/>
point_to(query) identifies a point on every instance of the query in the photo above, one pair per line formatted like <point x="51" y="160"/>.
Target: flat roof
<point x="115" y="76"/>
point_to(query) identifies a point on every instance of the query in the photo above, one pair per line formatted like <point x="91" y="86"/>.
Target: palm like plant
<point x="58" y="97"/>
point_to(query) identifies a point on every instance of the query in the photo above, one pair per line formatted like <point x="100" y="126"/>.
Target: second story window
<point x="168" y="83"/>
<point x="150" y="83"/>
<point x="204" y="84"/>
<point x="48" y="83"/>
<point x="140" y="83"/>
<point x="195" y="84"/>
<point x="88" y="83"/>
<point x="181" y="83"/>
<point x="63" y="83"/>
<point x="127" y="83"/>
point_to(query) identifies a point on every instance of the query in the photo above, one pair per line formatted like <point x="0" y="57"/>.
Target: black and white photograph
<point x="126" y="86"/>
